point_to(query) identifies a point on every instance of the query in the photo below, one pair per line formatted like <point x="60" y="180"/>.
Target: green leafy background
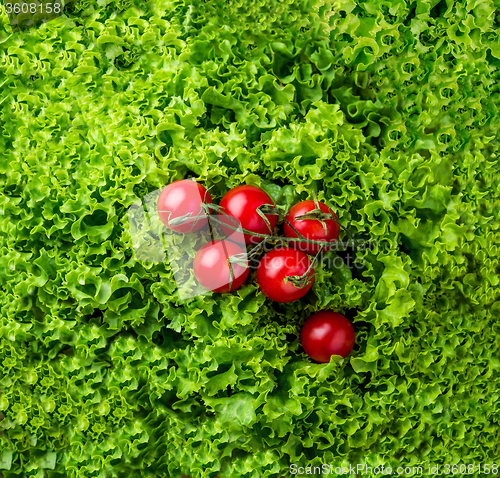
<point x="389" y="110"/>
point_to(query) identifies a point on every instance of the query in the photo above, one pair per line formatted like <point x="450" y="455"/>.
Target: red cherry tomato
<point x="311" y="229"/>
<point x="327" y="333"/>
<point x="279" y="265"/>
<point x="241" y="203"/>
<point x="211" y="266"/>
<point x="180" y="198"/>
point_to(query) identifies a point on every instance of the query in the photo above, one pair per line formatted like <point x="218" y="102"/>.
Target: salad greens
<point x="388" y="111"/>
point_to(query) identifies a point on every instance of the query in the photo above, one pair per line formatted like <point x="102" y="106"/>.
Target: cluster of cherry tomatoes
<point x="247" y="215"/>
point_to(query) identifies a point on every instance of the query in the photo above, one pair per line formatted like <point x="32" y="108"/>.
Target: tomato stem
<point x="177" y="221"/>
<point x="230" y="263"/>
<point x="264" y="236"/>
<point x="262" y="211"/>
<point x="267" y="210"/>
<point x="303" y="280"/>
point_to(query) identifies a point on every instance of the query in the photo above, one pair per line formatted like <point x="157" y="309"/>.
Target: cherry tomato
<point x="276" y="268"/>
<point x="311" y="229"/>
<point x="211" y="266"/>
<point x="241" y="203"/>
<point x="327" y="333"/>
<point x="180" y="198"/>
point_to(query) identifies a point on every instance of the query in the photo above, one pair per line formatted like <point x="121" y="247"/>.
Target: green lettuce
<point x="388" y="111"/>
